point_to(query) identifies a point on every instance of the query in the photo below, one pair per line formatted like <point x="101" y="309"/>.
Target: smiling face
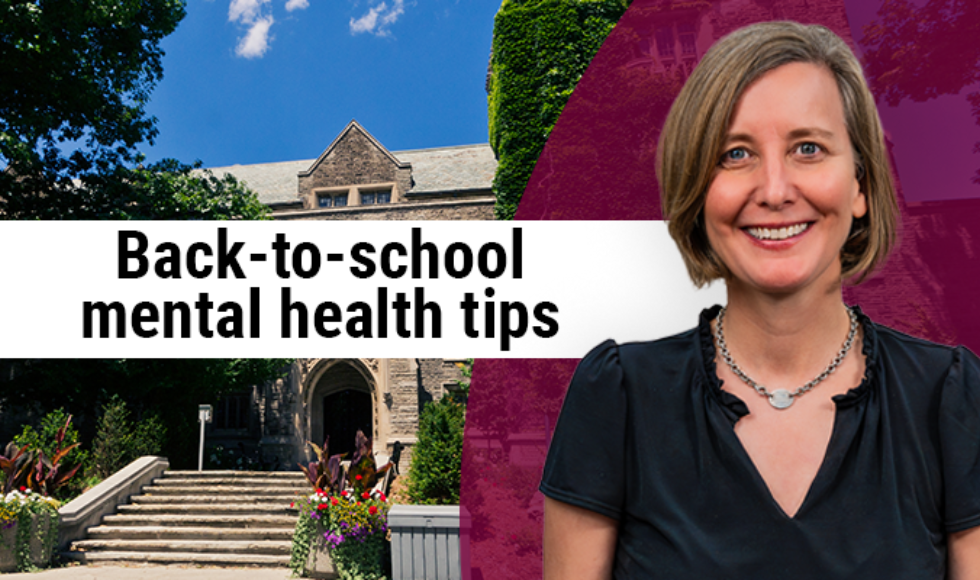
<point x="780" y="205"/>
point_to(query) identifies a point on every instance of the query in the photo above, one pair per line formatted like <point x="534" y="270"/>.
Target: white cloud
<point x="378" y="19"/>
<point x="245" y="11"/>
<point x="250" y="13"/>
<point x="255" y="43"/>
<point x="297" y="5"/>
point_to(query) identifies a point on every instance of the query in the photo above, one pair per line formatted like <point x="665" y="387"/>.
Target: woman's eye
<point x="808" y="149"/>
<point x="735" y="155"/>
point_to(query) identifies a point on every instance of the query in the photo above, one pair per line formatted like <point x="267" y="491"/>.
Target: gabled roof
<point x="353" y="126"/>
<point x="441" y="169"/>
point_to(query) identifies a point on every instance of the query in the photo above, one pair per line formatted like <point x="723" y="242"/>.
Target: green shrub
<point x="437" y="457"/>
<point x="44" y="438"/>
<point x="118" y="441"/>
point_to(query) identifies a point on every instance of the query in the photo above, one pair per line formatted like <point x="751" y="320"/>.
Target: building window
<point x="665" y="42"/>
<point x="685" y="31"/>
<point x="332" y="200"/>
<point x="232" y="412"/>
<point x="373" y="197"/>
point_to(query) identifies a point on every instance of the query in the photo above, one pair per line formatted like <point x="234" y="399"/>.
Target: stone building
<point x="355" y="178"/>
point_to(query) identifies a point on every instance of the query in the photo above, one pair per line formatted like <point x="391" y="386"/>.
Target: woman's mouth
<point x="782" y="233"/>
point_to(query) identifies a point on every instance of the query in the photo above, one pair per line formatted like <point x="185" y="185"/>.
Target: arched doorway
<point x="341" y="402"/>
<point x="344" y="412"/>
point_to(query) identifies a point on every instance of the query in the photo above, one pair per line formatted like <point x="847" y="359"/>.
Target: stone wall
<point x="355" y="159"/>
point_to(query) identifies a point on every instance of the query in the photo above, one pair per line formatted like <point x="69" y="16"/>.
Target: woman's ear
<point x="859" y="207"/>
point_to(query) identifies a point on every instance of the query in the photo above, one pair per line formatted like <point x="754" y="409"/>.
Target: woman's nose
<point x="775" y="188"/>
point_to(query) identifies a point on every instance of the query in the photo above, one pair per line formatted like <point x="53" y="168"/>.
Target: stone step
<point x="214" y="546"/>
<point x="107" y="532"/>
<point x="213" y="499"/>
<point x="226" y="489"/>
<point x="192" y="558"/>
<point x="237" y="474"/>
<point x="246" y="521"/>
<point x="208" y="508"/>
<point x="230" y="481"/>
<point x="209" y="518"/>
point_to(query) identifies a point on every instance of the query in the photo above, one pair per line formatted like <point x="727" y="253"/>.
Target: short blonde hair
<point x="694" y="133"/>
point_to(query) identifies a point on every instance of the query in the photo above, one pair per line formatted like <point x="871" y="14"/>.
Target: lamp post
<point x="204" y="413"/>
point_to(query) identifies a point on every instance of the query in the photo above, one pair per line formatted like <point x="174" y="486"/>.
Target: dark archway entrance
<point x="344" y="412"/>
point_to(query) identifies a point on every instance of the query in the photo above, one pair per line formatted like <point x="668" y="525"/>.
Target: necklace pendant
<point x="780" y="399"/>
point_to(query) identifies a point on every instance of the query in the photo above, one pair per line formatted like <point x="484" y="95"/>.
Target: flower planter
<point x="342" y="536"/>
<point x="320" y="563"/>
<point x="41" y="543"/>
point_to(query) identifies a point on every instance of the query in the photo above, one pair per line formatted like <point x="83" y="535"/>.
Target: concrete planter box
<point x="425" y="542"/>
<point x="320" y="564"/>
<point x="40" y="557"/>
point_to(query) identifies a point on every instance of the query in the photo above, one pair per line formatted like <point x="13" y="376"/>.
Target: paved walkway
<point x="152" y="573"/>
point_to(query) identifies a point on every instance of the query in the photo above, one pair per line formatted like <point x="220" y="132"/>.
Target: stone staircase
<point x="214" y="518"/>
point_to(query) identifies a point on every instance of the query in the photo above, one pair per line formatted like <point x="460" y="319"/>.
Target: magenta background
<point x="599" y="165"/>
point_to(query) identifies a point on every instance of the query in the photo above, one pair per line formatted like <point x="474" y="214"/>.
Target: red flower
<point x="382" y="494"/>
<point x="358" y="504"/>
<point x="292" y="504"/>
<point x="358" y="477"/>
<point x="372" y="510"/>
<point x="23" y="489"/>
<point x="319" y="491"/>
<point x="366" y="495"/>
<point x="322" y="506"/>
<point x="334" y="501"/>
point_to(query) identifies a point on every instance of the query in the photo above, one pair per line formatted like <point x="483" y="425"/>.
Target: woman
<point x="787" y="435"/>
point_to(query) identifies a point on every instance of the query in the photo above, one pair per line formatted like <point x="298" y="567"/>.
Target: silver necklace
<point x="781" y="398"/>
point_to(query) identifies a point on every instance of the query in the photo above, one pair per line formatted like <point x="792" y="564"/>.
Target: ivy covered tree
<point x="541" y="48"/>
<point x="75" y="79"/>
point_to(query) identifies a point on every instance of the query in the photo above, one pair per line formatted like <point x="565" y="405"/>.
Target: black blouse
<point x="646" y="437"/>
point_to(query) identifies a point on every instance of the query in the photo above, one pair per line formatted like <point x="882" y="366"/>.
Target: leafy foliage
<point x="44" y="438"/>
<point x="541" y="48"/>
<point x="325" y="473"/>
<point x="171" y="389"/>
<point x="118" y="441"/>
<point x="437" y="457"/>
<point x="77" y="77"/>
<point x="920" y="51"/>
<point x="363" y="475"/>
<point x="44" y="444"/>
<point x="353" y="526"/>
<point x="47" y="470"/>
<point x="462" y="394"/>
<point x="15" y="463"/>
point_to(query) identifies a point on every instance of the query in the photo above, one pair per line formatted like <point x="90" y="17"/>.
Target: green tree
<point x="541" y="48"/>
<point x="171" y="389"/>
<point x="437" y="457"/>
<point x="118" y="441"/>
<point x="75" y="79"/>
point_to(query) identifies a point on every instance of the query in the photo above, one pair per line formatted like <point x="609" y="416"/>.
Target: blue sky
<point x="254" y="81"/>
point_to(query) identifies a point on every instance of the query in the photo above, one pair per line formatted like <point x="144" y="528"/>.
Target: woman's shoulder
<point x="893" y="347"/>
<point x="649" y="356"/>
